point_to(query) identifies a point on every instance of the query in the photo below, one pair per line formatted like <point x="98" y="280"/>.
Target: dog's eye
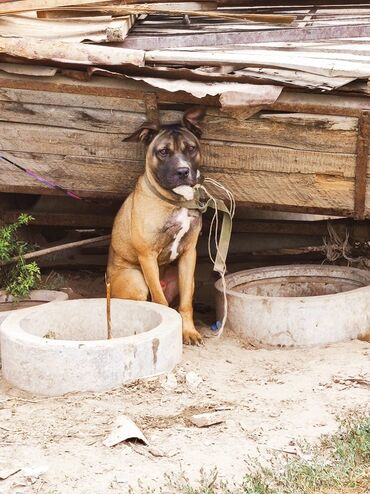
<point x="191" y="149"/>
<point x="163" y="152"/>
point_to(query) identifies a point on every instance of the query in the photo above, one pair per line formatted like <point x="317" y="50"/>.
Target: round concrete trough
<point x="297" y="305"/>
<point x="59" y="348"/>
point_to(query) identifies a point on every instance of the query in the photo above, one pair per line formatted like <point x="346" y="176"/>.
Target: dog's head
<point x="173" y="153"/>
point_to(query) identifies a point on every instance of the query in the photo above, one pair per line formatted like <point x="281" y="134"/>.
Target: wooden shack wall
<point x="277" y="160"/>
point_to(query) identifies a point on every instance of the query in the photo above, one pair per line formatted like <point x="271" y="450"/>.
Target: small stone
<point x="207" y="419"/>
<point x="170" y="383"/>
<point x="193" y="380"/>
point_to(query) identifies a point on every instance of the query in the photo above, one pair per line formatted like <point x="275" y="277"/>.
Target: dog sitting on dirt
<point x="153" y="229"/>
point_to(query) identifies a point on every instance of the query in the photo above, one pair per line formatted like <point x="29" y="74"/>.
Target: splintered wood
<point x="74" y="78"/>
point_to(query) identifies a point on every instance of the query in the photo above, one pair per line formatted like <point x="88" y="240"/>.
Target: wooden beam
<point x="11" y="7"/>
<point x="69" y="53"/>
<point x="362" y="159"/>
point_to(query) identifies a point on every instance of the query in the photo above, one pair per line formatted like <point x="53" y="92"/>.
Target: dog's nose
<point x="183" y="172"/>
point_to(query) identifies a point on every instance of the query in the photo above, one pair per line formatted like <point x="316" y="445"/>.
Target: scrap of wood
<point x="71" y="53"/>
<point x="11" y="7"/>
<point x="27" y="69"/>
<point x="58" y="248"/>
<point x="154" y="9"/>
<point x="77" y="12"/>
<point x="97" y="29"/>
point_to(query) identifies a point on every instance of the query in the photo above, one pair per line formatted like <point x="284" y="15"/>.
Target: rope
<point x="220" y="260"/>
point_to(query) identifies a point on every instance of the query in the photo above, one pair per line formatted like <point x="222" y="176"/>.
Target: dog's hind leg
<point x="129" y="283"/>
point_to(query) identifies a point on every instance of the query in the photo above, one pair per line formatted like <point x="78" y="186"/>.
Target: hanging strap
<point x="202" y="203"/>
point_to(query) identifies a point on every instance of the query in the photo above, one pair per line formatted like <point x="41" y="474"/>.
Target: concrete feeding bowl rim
<point x="160" y="327"/>
<point x="36" y="296"/>
<point x="233" y="280"/>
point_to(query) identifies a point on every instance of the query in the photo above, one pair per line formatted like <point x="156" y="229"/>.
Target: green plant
<point x="18" y="277"/>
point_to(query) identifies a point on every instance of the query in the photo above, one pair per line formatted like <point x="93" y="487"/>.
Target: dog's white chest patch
<point x="184" y="220"/>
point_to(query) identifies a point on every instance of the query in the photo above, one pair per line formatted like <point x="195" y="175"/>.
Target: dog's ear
<point x="145" y="133"/>
<point x="192" y="119"/>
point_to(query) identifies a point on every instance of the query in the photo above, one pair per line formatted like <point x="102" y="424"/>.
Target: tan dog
<point x="153" y="229"/>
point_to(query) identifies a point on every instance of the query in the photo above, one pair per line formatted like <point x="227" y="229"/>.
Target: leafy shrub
<point x="19" y="277"/>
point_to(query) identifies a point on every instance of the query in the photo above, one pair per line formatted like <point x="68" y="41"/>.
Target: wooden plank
<point x="69" y="99"/>
<point x="281" y="189"/>
<point x="249" y="186"/>
<point x="320" y="133"/>
<point x="55" y="218"/>
<point x="76" y="12"/>
<point x="69" y="53"/>
<point x="129" y="89"/>
<point x="102" y="86"/>
<point x="362" y="159"/>
<point x="70" y="142"/>
<point x="97" y="29"/>
<point x="309" y="120"/>
<point x="241" y="159"/>
<point x="90" y="165"/>
<point x="10" y="7"/>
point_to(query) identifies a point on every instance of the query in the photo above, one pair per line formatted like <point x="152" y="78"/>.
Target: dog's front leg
<point x="186" y="287"/>
<point x="149" y="266"/>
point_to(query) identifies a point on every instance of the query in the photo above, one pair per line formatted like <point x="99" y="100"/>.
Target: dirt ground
<point x="267" y="400"/>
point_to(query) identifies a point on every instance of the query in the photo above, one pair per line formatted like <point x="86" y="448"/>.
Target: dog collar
<point x="195" y="203"/>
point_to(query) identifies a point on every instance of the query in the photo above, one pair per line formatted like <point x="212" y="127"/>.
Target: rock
<point x="207" y="419"/>
<point x="193" y="380"/>
<point x="170" y="384"/>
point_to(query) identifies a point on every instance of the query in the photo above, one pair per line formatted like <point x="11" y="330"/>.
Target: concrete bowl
<point x="59" y="348"/>
<point x="299" y="305"/>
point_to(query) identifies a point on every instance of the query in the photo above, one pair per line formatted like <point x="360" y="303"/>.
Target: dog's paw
<point x="191" y="337"/>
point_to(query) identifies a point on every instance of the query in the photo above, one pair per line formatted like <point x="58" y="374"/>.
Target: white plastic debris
<point x="124" y="429"/>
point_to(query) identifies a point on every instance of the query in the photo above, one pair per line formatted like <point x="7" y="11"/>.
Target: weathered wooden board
<point x="278" y="160"/>
<point x="115" y="178"/>
<point x="323" y="133"/>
